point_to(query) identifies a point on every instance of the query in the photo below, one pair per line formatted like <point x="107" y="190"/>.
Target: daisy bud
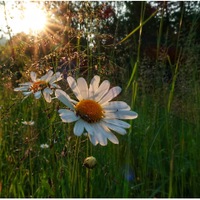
<point x="90" y="162"/>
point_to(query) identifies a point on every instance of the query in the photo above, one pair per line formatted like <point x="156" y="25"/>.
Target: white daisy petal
<point x="94" y="84"/>
<point x="113" y="92"/>
<point x="33" y="76"/>
<point x="25" y="88"/>
<point x="53" y="85"/>
<point x="100" y="134"/>
<point x="89" y="128"/>
<point x="47" y="97"/>
<point x="113" y="138"/>
<point x="93" y="139"/>
<point x="102" y="90"/>
<point x="108" y="134"/>
<point x="48" y="90"/>
<point x="62" y="111"/>
<point x="117" y="122"/>
<point x="115" y="106"/>
<point x="67" y="115"/>
<point x="47" y="76"/>
<point x="37" y="94"/>
<point x="46" y="93"/>
<point x="27" y="93"/>
<point x="121" y="114"/>
<point x="78" y="127"/>
<point x="28" y="84"/>
<point x="83" y="87"/>
<point x="74" y="87"/>
<point x="56" y="77"/>
<point x="115" y="128"/>
<point x="64" y="98"/>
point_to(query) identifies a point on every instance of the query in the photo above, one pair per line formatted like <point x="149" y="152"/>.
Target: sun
<point x="34" y="19"/>
<point x="28" y="17"/>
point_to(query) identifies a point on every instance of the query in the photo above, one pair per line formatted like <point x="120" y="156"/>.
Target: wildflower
<point x="90" y="162"/>
<point x="30" y="123"/>
<point x="44" y="146"/>
<point x="94" y="111"/>
<point x="39" y="86"/>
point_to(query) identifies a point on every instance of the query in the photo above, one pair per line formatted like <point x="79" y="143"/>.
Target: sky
<point x="30" y="20"/>
<point x="11" y="22"/>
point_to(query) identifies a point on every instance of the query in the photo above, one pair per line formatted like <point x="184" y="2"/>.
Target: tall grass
<point x="159" y="157"/>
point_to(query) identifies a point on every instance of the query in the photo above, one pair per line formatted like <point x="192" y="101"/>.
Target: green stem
<point x="73" y="179"/>
<point x="88" y="183"/>
<point x="142" y="22"/>
<point x="171" y="175"/>
<point x="173" y="84"/>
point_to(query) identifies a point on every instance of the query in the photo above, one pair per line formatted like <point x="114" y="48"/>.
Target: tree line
<point x="85" y="37"/>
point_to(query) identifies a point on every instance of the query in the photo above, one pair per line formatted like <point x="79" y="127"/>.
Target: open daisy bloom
<point x="93" y="111"/>
<point x="39" y="86"/>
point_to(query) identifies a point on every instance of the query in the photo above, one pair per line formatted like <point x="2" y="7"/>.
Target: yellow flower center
<point x="38" y="85"/>
<point x="89" y="110"/>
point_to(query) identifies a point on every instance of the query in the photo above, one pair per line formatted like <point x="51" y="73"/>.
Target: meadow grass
<point x="159" y="157"/>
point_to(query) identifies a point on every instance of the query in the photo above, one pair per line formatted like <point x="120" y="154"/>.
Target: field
<point x="158" y="157"/>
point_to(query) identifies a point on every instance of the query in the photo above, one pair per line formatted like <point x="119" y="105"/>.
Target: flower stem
<point x="73" y="178"/>
<point x="88" y="183"/>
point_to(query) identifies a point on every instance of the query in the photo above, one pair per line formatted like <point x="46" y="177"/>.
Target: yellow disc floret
<point x="38" y="85"/>
<point x="89" y="110"/>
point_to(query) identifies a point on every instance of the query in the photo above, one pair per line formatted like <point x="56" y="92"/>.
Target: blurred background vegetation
<point x="86" y="37"/>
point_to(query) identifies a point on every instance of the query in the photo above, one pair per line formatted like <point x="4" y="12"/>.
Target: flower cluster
<point x="93" y="112"/>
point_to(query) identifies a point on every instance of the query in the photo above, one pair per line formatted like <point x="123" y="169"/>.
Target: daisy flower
<point x="44" y="146"/>
<point x="93" y="111"/>
<point x="28" y="123"/>
<point x="39" y="86"/>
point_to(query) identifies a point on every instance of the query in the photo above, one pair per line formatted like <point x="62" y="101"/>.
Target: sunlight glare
<point x="28" y="17"/>
<point x="34" y="19"/>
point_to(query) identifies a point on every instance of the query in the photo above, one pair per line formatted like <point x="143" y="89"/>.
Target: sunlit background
<point x="28" y="17"/>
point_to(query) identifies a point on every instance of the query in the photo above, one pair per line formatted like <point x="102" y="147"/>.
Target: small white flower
<point x="28" y="123"/>
<point x="44" y="146"/>
<point x="39" y="86"/>
<point x="93" y="111"/>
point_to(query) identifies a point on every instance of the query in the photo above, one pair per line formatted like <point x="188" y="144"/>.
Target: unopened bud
<point x="90" y="162"/>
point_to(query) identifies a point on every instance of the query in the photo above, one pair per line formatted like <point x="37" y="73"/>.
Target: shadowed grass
<point x="158" y="157"/>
